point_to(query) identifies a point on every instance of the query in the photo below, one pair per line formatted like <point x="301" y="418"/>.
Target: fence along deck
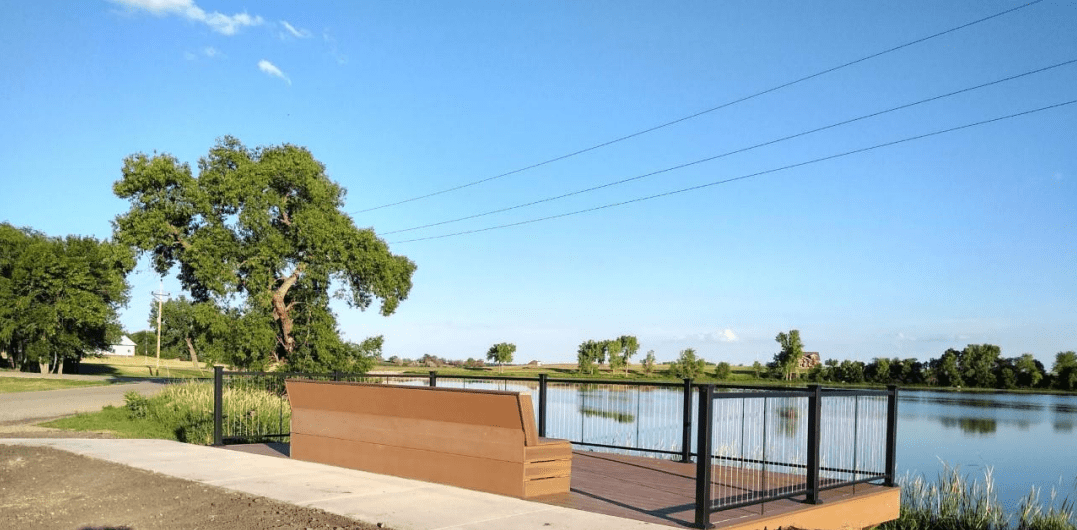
<point x="847" y="437"/>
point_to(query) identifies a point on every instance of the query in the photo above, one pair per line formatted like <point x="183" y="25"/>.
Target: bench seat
<point x="483" y="440"/>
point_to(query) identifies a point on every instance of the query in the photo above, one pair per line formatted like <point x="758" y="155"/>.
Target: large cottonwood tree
<point x="261" y="234"/>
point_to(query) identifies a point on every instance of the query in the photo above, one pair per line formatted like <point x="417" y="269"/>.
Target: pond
<point x="1026" y="439"/>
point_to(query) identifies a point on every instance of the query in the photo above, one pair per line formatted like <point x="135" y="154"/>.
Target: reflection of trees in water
<point x="615" y="403"/>
<point x="1063" y="426"/>
<point x="786" y="420"/>
<point x="970" y="425"/>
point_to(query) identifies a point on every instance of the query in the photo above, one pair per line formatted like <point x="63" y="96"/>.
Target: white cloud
<point x="291" y="30"/>
<point x="727" y="335"/>
<point x="219" y="22"/>
<point x="272" y="70"/>
<point x="211" y="52"/>
<point x="332" y="43"/>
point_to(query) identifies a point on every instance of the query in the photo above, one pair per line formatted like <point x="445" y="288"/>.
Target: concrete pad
<point x="430" y="507"/>
<point x="399" y="503"/>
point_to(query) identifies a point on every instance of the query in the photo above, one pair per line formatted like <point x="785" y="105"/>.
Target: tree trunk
<point x="43" y="367"/>
<point x="60" y="367"/>
<point x="191" y="350"/>
<point x="283" y="312"/>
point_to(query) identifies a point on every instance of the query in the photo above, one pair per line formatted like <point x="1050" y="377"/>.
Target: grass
<point x="954" y="502"/>
<point x="141" y="366"/>
<point x="184" y="412"/>
<point x="29" y="384"/>
<point x="115" y="420"/>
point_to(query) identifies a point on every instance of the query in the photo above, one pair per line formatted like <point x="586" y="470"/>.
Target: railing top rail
<point x="840" y="392"/>
<point x="762" y="395"/>
<point x="668" y="384"/>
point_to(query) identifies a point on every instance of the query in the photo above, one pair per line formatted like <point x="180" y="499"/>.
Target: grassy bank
<point x="955" y="502"/>
<point x="184" y="412"/>
<point x="28" y="384"/>
<point x="141" y="366"/>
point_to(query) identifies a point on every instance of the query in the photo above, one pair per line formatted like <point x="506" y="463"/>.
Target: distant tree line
<point x="977" y="366"/>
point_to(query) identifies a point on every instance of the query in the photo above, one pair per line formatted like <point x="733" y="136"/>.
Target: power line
<point x="742" y="177"/>
<point x="736" y="151"/>
<point x="700" y="113"/>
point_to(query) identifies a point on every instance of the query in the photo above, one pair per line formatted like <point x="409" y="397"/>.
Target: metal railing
<point x="764" y="443"/>
<point x="768" y="446"/>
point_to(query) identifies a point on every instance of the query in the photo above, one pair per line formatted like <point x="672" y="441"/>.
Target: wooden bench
<point x="477" y="439"/>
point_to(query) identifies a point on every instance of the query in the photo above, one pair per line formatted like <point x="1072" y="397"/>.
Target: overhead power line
<point x="742" y="177"/>
<point x="736" y="151"/>
<point x="700" y="113"/>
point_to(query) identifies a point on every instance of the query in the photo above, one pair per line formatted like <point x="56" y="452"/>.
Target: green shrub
<point x="186" y="410"/>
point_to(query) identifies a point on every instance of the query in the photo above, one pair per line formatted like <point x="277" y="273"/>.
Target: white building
<point x="126" y="348"/>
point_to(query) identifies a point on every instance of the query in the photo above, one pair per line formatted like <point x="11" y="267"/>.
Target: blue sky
<point x="907" y="250"/>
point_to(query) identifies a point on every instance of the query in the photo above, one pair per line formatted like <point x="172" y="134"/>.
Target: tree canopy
<point x="59" y="297"/>
<point x="788" y="358"/>
<point x="688" y="366"/>
<point x="260" y="234"/>
<point x="501" y="353"/>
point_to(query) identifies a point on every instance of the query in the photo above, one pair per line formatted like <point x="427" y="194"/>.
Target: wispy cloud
<point x="272" y="70"/>
<point x="211" y="52"/>
<point x="219" y="22"/>
<point x="332" y="43"/>
<point x="293" y="31"/>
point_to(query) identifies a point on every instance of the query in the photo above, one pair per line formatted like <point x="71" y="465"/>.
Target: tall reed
<point x="186" y="409"/>
<point x="953" y="502"/>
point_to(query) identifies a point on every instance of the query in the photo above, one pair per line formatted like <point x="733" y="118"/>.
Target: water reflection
<point x="975" y="426"/>
<point x="787" y="420"/>
<point x="616" y="403"/>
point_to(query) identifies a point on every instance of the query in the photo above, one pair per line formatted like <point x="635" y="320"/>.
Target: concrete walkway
<point x="398" y="503"/>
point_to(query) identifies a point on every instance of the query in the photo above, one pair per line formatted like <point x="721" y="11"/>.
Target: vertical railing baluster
<point x="703" y="455"/>
<point x="433" y="378"/>
<point x="542" y="405"/>
<point x="218" y="404"/>
<point x="814" y="409"/>
<point x="686" y="433"/>
<point x="891" y="434"/>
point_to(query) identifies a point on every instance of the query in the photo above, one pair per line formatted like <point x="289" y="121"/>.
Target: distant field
<point x="29" y="384"/>
<point x="141" y="366"/>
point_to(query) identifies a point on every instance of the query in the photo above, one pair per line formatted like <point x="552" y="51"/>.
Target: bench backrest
<point x="414" y="416"/>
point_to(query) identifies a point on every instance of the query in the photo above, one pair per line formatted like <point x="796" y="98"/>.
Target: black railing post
<point x="433" y="378"/>
<point x="815" y="404"/>
<point x="336" y="375"/>
<point x="703" y="456"/>
<point x="686" y="434"/>
<point x="218" y="405"/>
<point x="542" y="406"/>
<point x="891" y="434"/>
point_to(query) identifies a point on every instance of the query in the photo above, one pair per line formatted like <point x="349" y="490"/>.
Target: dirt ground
<point x="42" y="487"/>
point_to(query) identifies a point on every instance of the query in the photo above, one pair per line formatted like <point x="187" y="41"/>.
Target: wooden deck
<point x="663" y="492"/>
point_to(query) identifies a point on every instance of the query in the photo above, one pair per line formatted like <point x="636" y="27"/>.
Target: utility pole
<point x="160" y="295"/>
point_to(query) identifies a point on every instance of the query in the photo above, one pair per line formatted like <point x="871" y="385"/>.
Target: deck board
<point x="661" y="491"/>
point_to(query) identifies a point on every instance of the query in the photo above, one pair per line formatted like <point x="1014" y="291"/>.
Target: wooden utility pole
<point x="160" y="295"/>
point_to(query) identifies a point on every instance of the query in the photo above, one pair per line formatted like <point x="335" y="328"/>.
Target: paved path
<point x="398" y="503"/>
<point x="19" y="407"/>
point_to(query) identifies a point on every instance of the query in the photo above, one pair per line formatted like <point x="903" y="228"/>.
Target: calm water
<point x="1028" y="440"/>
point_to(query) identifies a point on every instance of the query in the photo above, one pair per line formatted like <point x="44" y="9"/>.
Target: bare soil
<point x="47" y="488"/>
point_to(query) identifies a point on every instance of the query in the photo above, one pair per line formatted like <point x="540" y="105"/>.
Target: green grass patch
<point x="184" y="412"/>
<point x="115" y="420"/>
<point x="141" y="366"/>
<point x="33" y="384"/>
